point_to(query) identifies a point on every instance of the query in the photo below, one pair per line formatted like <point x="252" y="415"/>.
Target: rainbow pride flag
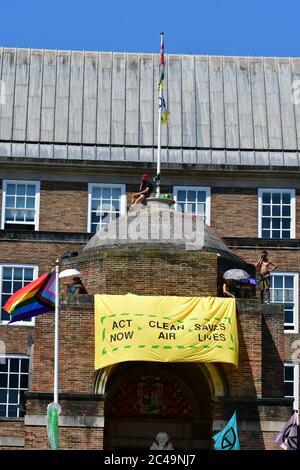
<point x="34" y="299"/>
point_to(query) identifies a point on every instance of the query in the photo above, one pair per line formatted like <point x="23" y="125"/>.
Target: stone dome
<point x="158" y="224"/>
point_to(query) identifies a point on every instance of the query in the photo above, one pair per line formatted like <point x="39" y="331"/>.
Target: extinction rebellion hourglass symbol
<point x="290" y="440"/>
<point x="229" y="439"/>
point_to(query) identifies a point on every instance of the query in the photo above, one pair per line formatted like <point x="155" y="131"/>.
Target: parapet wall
<point x="148" y="271"/>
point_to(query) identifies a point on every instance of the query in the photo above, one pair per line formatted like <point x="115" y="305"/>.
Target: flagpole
<point x="56" y="332"/>
<point x="54" y="408"/>
<point x="158" y="152"/>
<point x="159" y="120"/>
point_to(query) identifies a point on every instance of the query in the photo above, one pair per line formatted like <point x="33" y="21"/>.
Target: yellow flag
<point x="165" y="117"/>
<point x="164" y="329"/>
<point x="162" y="105"/>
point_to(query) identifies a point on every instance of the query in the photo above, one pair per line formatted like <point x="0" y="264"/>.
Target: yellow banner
<point x="164" y="329"/>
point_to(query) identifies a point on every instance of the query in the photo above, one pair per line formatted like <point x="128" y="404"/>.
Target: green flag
<point x="52" y="425"/>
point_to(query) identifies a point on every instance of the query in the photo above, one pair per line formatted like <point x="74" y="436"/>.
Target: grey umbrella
<point x="236" y="274"/>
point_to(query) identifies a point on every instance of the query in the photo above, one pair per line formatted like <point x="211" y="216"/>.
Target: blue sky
<point x="221" y="27"/>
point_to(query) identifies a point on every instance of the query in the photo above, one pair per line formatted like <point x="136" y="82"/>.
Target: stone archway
<point x="144" y="398"/>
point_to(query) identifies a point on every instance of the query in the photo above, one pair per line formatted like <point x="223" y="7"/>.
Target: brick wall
<point x="71" y="404"/>
<point x="261" y="344"/>
<point x="17" y="339"/>
<point x="234" y="211"/>
<point x="148" y="270"/>
<point x="10" y="430"/>
<point x="39" y="253"/>
<point x="272" y="352"/>
<point x="63" y="207"/>
<point x="76" y="352"/>
<point x="12" y="427"/>
<point x="246" y="379"/>
<point x="69" y="438"/>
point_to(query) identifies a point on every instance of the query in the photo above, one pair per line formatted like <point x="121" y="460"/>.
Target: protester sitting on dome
<point x="145" y="190"/>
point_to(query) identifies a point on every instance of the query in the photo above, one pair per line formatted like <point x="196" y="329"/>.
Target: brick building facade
<point x="76" y="131"/>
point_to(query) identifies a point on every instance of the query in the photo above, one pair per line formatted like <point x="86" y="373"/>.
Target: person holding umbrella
<point x="72" y="283"/>
<point x="227" y="286"/>
<point x="237" y="283"/>
<point x="75" y="286"/>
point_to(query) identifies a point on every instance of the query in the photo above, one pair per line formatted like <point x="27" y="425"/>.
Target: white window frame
<point x="17" y="356"/>
<point x="296" y="383"/>
<point x="293" y="209"/>
<point x="207" y="189"/>
<point x="35" y="276"/>
<point x="37" y="184"/>
<point x="296" y="298"/>
<point x="102" y="185"/>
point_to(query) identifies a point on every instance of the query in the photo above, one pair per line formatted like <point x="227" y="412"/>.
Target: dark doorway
<point x="145" y="398"/>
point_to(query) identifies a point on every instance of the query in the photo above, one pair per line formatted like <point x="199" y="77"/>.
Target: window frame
<point x="35" y="276"/>
<point x="36" y="222"/>
<point x="122" y="186"/>
<point x="296" y="298"/>
<point x="207" y="190"/>
<point x="295" y="383"/>
<point x="16" y="356"/>
<point x="293" y="210"/>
